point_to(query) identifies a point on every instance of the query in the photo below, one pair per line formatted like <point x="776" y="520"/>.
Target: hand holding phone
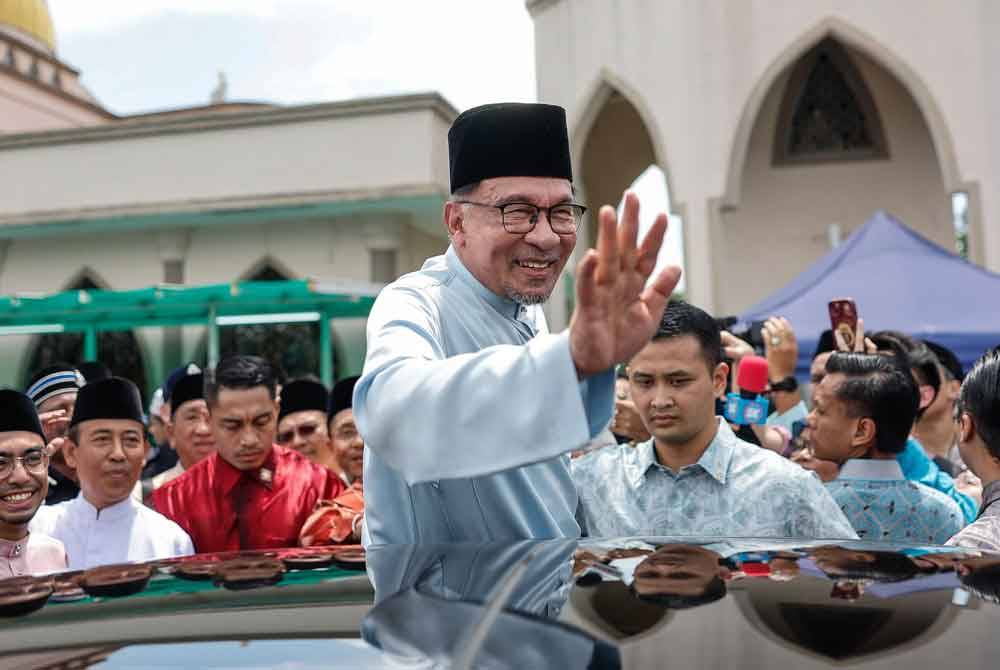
<point x="848" y="328"/>
<point x="844" y="323"/>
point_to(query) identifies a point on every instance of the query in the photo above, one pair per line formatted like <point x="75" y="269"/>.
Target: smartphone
<point x="844" y="319"/>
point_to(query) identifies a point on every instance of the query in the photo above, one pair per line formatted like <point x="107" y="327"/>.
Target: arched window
<point x="119" y="350"/>
<point x="827" y="112"/>
<point x="293" y="347"/>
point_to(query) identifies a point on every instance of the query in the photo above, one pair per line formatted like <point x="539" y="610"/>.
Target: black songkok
<point x="342" y="396"/>
<point x="303" y="395"/>
<point x="509" y="139"/>
<point x="175" y="376"/>
<point x="52" y="381"/>
<point x="111" y="398"/>
<point x="94" y="371"/>
<point x="17" y="412"/>
<point x="188" y="387"/>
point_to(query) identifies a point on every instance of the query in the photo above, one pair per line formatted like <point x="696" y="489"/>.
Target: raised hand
<point x="616" y="314"/>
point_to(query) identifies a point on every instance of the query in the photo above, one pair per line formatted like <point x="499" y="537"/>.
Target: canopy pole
<point x="90" y="343"/>
<point x="213" y="337"/>
<point x="325" y="350"/>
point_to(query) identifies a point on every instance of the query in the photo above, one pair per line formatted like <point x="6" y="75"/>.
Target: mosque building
<point x="781" y="127"/>
<point x="347" y="191"/>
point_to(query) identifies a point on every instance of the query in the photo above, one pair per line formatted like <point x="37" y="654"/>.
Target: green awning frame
<point x="95" y="311"/>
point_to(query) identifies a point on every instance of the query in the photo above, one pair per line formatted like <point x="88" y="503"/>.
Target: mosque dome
<point x="31" y="19"/>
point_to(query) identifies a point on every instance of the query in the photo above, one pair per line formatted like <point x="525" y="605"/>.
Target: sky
<point x="147" y="55"/>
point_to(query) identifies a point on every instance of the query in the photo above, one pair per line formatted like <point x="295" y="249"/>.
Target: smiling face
<point x="306" y="433"/>
<point x="245" y="423"/>
<point x="674" y="390"/>
<point x="108" y="455"/>
<point x="24" y="490"/>
<point x="525" y="267"/>
<point x="190" y="433"/>
<point x="348" y="446"/>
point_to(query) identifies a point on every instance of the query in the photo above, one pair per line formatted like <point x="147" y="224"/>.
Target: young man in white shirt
<point x="106" y="446"/>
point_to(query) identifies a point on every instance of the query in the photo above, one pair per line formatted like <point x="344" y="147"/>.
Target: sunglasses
<point x="305" y="431"/>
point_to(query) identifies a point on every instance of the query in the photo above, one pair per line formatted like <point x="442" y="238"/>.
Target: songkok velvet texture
<point x="187" y="388"/>
<point x="112" y="398"/>
<point x="509" y="139"/>
<point x="342" y="396"/>
<point x="303" y="395"/>
<point x="17" y="413"/>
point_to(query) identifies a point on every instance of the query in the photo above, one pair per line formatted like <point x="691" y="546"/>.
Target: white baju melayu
<point x="468" y="407"/>
<point x="124" y="532"/>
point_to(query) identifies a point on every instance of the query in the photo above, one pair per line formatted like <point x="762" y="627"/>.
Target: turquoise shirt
<point x="736" y="489"/>
<point x="917" y="466"/>
<point x="884" y="507"/>
<point x="468" y="407"/>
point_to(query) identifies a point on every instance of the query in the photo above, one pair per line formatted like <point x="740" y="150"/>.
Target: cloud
<point x="155" y="54"/>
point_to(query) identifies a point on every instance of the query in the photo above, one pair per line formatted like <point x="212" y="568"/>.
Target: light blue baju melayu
<point x="468" y="407"/>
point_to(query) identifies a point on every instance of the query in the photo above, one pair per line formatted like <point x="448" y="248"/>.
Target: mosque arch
<point x="785" y="211"/>
<point x="293" y="347"/>
<point x="854" y="38"/>
<point x="123" y="351"/>
<point x="615" y="139"/>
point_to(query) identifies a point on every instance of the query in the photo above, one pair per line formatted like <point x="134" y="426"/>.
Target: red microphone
<point x="749" y="406"/>
<point x="751" y="376"/>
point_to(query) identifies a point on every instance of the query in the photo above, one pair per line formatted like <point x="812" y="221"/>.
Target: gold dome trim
<point x="31" y="17"/>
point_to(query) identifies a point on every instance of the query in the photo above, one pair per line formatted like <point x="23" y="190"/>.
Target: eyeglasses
<point x="36" y="462"/>
<point x="519" y="218"/>
<point x="305" y="431"/>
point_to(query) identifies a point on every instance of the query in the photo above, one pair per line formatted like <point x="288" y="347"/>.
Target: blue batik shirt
<point x="884" y="506"/>
<point x="917" y="466"/>
<point x="735" y="489"/>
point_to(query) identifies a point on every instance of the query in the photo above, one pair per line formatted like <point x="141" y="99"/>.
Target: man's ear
<point x="720" y="377"/>
<point x="69" y="448"/>
<point x="454" y="222"/>
<point x="927" y="395"/>
<point x="168" y="428"/>
<point x="864" y="436"/>
<point x="966" y="428"/>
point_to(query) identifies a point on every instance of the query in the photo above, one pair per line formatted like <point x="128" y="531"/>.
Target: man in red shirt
<point x="251" y="494"/>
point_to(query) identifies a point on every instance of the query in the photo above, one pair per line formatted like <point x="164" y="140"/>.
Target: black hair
<point x="980" y="397"/>
<point x="240" y="372"/>
<point x="917" y="357"/>
<point x="714" y="590"/>
<point x="681" y="318"/>
<point x="984" y="582"/>
<point x="825" y="343"/>
<point x="877" y="387"/>
<point x="948" y="360"/>
<point x="887" y="566"/>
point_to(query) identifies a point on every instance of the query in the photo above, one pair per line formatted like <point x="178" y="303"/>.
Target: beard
<point x="531" y="299"/>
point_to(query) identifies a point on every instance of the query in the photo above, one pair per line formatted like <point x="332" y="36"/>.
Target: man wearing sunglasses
<point x="302" y="423"/>
<point x="468" y="406"/>
<point x="24" y="483"/>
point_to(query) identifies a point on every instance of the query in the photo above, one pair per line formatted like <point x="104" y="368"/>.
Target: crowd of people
<point x="225" y="460"/>
<point x="461" y="426"/>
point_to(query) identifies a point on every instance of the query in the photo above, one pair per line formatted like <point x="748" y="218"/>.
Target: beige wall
<point x="780" y="226"/>
<point x="699" y="72"/>
<point x="24" y="108"/>
<point x="186" y="164"/>
<point x="324" y="249"/>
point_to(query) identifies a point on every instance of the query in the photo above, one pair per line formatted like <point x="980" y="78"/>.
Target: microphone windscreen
<point x="752" y="374"/>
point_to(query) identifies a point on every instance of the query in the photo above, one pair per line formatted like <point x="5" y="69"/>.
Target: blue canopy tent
<point x="900" y="281"/>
